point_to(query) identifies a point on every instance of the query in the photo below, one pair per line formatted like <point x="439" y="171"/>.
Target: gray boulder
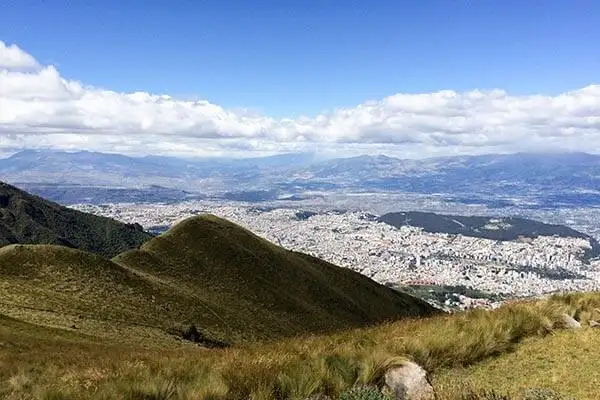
<point x="570" y="322"/>
<point x="408" y="382"/>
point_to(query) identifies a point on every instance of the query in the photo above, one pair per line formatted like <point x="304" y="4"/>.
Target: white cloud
<point x="12" y="57"/>
<point x="39" y="108"/>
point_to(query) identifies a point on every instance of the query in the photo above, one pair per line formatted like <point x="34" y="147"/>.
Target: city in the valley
<point x="402" y="257"/>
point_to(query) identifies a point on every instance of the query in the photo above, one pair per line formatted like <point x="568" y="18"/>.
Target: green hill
<point x="260" y="289"/>
<point x="206" y="272"/>
<point x="69" y="288"/>
<point x="28" y="219"/>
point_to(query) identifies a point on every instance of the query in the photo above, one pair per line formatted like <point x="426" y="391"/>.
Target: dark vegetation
<point x="510" y="228"/>
<point x="28" y="219"/>
<point x="440" y="293"/>
<point x="194" y="335"/>
<point x="304" y="215"/>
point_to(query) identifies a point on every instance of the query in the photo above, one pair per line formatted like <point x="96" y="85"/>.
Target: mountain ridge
<point x="205" y="275"/>
<point x="222" y="260"/>
<point x="29" y="219"/>
<point x="542" y="179"/>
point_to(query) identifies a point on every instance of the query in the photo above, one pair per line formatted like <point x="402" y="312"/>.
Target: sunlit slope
<point x="69" y="288"/>
<point x="565" y="363"/>
<point x="520" y="351"/>
<point x="260" y="290"/>
<point x="208" y="272"/>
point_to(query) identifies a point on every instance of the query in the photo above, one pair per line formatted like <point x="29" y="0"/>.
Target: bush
<point x="363" y="393"/>
<point x="484" y="395"/>
<point x="543" y="394"/>
<point x="190" y="333"/>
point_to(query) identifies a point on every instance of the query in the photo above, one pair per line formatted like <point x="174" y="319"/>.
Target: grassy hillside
<point x="68" y="288"/>
<point x="476" y="355"/>
<point x="259" y="290"/>
<point x="206" y="272"/>
<point x="28" y="219"/>
<point x="77" y="325"/>
<point x="565" y="363"/>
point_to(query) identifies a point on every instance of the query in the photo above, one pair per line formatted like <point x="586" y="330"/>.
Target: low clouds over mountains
<point x="41" y="109"/>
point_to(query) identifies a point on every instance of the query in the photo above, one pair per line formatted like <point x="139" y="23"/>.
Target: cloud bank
<point x="40" y="109"/>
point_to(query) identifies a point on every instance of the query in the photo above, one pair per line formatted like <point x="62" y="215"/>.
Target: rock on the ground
<point x="570" y="322"/>
<point x="409" y="382"/>
<point x="594" y="324"/>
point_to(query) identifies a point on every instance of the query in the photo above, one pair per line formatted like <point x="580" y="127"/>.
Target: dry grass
<point x="473" y="349"/>
<point x="566" y="362"/>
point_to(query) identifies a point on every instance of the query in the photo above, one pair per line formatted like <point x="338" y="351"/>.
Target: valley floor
<point x="355" y="240"/>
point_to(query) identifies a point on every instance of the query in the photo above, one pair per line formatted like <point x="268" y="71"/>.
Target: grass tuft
<point x="155" y="390"/>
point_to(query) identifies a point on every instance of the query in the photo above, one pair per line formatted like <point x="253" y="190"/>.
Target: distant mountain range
<point x="206" y="280"/>
<point x="537" y="180"/>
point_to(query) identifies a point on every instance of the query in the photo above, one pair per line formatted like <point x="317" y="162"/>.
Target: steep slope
<point x="260" y="290"/>
<point x="520" y="348"/>
<point x="205" y="272"/>
<point x="29" y="219"/>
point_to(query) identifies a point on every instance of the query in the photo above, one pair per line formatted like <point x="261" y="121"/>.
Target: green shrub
<point x="543" y="394"/>
<point x="363" y="393"/>
<point x="484" y="395"/>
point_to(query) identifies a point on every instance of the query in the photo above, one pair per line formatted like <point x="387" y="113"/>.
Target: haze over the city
<point x="248" y="79"/>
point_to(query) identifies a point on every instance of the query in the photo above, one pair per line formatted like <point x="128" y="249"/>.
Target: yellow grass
<point x="479" y="349"/>
<point x="566" y="362"/>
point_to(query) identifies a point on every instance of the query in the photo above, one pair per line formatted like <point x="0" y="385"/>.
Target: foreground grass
<point x="452" y="348"/>
<point x="566" y="362"/>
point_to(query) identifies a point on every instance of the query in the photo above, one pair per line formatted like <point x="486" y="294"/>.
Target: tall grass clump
<point x="155" y="390"/>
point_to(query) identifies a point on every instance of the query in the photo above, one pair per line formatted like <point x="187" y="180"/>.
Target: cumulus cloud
<point x="39" y="108"/>
<point x="12" y="57"/>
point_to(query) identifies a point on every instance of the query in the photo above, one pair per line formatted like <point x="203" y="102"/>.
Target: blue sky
<point x="248" y="78"/>
<point x="298" y="57"/>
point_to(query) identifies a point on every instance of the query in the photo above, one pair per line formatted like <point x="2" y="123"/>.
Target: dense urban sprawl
<point x="524" y="267"/>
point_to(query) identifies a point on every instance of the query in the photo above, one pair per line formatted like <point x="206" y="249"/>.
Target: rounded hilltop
<point x="262" y="286"/>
